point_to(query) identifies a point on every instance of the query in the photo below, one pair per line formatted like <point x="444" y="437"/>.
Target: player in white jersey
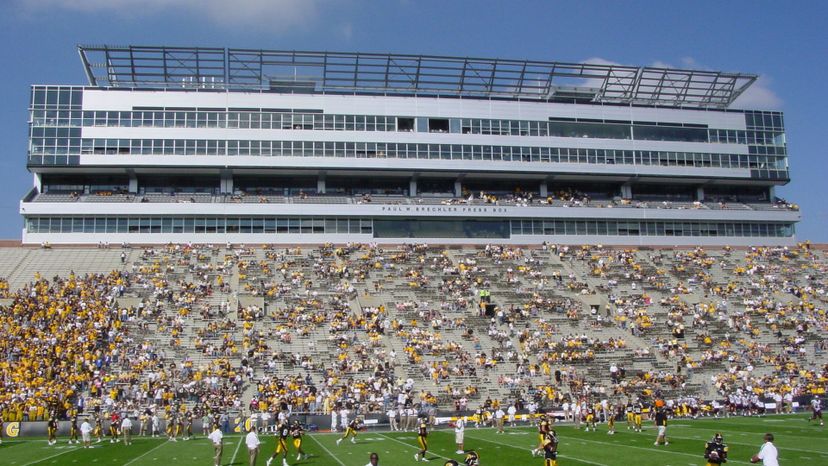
<point x="816" y="409"/>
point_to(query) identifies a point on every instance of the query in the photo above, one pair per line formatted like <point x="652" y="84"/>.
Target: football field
<point x="798" y="441"/>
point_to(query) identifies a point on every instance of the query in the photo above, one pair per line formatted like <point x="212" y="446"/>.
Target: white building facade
<point x="221" y="145"/>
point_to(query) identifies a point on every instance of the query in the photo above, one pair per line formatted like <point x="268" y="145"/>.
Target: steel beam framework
<point x="397" y="74"/>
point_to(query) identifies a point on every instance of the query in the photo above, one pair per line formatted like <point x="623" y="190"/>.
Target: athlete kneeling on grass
<point x="471" y="460"/>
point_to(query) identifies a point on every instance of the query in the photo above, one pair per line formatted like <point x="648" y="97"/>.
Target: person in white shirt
<point x="373" y="460"/>
<point x="343" y="419"/>
<point x="459" y="430"/>
<point x="86" y="433"/>
<point x="252" y="442"/>
<point x="511" y="411"/>
<point x="392" y="418"/>
<point x="533" y="409"/>
<point x="154" y="422"/>
<point x="126" y="429"/>
<point x="566" y="411"/>
<point x="767" y="454"/>
<point x="333" y="419"/>
<point x="215" y="437"/>
<point x="499" y="415"/>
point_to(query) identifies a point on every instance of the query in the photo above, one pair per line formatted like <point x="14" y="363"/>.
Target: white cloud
<point x="759" y="96"/>
<point x="273" y="13"/>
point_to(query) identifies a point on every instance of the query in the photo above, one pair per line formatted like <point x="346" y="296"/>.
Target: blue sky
<point x="784" y="42"/>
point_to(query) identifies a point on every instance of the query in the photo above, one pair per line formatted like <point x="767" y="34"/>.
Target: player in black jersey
<point x="296" y="431"/>
<point x="73" y="427"/>
<point x="51" y="429"/>
<point x="351" y="430"/>
<point x="543" y="429"/>
<point x="550" y="449"/>
<point x="282" y="434"/>
<point x="422" y="440"/>
<point x="715" y="451"/>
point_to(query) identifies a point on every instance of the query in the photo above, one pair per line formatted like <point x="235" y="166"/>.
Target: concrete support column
<point x="133" y="183"/>
<point x="226" y="184"/>
<point x="700" y="194"/>
<point x="458" y="188"/>
<point x="412" y="187"/>
<point x="772" y="193"/>
<point x="544" y="189"/>
<point x="38" y="182"/>
<point x="320" y="185"/>
<point x="626" y="191"/>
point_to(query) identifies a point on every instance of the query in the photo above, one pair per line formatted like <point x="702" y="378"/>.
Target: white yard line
<point x="241" y="440"/>
<point x="146" y="453"/>
<point x="50" y="457"/>
<point x="525" y="449"/>
<point x="751" y="444"/>
<point x="651" y="450"/>
<point x="411" y="446"/>
<point x="313" y="437"/>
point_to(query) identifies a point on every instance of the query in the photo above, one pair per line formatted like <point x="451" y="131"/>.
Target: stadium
<point x="473" y="261"/>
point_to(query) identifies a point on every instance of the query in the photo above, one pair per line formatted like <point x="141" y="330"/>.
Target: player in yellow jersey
<point x="638" y="410"/>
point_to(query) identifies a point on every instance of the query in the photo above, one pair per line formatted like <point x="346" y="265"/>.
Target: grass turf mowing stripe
<point x="233" y="460"/>
<point x="524" y="449"/>
<point x="326" y="450"/>
<point x="145" y="453"/>
<point x="412" y="446"/>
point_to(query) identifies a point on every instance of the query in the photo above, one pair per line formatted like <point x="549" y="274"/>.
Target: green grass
<point x="798" y="442"/>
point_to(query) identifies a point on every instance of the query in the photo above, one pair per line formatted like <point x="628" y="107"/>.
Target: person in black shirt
<point x="661" y="425"/>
